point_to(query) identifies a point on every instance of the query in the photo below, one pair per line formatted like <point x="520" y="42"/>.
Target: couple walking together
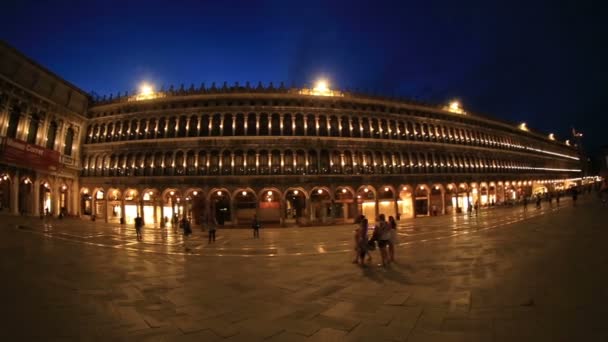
<point x="384" y="234"/>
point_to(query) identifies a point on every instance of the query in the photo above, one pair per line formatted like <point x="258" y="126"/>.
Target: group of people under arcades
<point x="185" y="225"/>
<point x="383" y="238"/>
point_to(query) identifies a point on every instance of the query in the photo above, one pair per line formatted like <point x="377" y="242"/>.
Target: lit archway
<point x="220" y="206"/>
<point x="295" y="204"/>
<point x="366" y="200"/>
<point x="345" y="205"/>
<point x="421" y="200"/>
<point x="245" y="204"/>
<point x="320" y="202"/>
<point x="406" y="202"/>
<point x="269" y="207"/>
<point x="386" y="201"/>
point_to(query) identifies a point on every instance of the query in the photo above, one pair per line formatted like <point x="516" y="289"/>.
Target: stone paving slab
<point x="540" y="278"/>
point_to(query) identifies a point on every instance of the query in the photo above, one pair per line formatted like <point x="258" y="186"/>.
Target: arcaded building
<point x="289" y="155"/>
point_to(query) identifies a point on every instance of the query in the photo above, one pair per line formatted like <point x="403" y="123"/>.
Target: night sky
<point x="539" y="62"/>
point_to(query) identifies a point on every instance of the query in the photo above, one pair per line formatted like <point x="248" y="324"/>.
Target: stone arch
<point x="295" y="204"/>
<point x="321" y="204"/>
<point x="422" y="194"/>
<point x="220" y="205"/>
<point x="387" y="203"/>
<point x="405" y="201"/>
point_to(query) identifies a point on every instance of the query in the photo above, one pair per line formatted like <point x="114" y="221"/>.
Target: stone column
<point x="36" y="199"/>
<point x="141" y="208"/>
<point x="283" y="205"/>
<point x="75" y="198"/>
<point x="55" y="197"/>
<point x="377" y="206"/>
<point x="15" y="194"/>
<point x="122" y="207"/>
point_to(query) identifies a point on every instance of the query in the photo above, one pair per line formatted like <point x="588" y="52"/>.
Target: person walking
<point x="138" y="224"/>
<point x="187" y="231"/>
<point x="538" y="199"/>
<point x="255" y="225"/>
<point x="392" y="243"/>
<point x="476" y="207"/>
<point x="574" y="196"/>
<point x="361" y="242"/>
<point x="383" y="235"/>
<point x="212" y="228"/>
<point x="525" y="202"/>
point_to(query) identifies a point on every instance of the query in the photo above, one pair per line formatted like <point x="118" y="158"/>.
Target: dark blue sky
<point x="539" y="62"/>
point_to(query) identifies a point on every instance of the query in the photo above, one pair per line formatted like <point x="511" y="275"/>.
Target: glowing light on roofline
<point x="321" y="88"/>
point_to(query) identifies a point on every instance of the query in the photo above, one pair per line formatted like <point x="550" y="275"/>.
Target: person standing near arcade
<point x="255" y="225"/>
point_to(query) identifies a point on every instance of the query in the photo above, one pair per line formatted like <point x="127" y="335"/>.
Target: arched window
<point x="171" y="127"/>
<point x="214" y="163"/>
<point x="181" y="126"/>
<point x="226" y="163"/>
<point x="124" y="131"/>
<point x="288" y="158"/>
<point x="32" y="132"/>
<point x="375" y="129"/>
<point x="322" y="125"/>
<point x="311" y="125"/>
<point x="287" y="125"/>
<point x="300" y="125"/>
<point x="239" y="126"/>
<point x="193" y="126"/>
<point x="204" y="129"/>
<point x="384" y="129"/>
<point x="366" y="128"/>
<point x="356" y="132"/>
<point x="227" y="125"/>
<point x="312" y="162"/>
<point x="51" y="134"/>
<point x="13" y="123"/>
<point x="69" y="141"/>
<point x="251" y="164"/>
<point x="141" y="129"/>
<point x="216" y="124"/>
<point x="239" y="162"/>
<point x="179" y="163"/>
<point x="275" y="125"/>
<point x="275" y="162"/>
<point x="264" y="124"/>
<point x="251" y="124"/>
<point x="345" y="127"/>
<point x="202" y="162"/>
<point x="333" y="126"/>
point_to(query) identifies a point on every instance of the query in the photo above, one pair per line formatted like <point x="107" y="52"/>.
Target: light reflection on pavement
<point x="274" y="241"/>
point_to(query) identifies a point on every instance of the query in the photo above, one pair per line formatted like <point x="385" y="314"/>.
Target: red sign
<point x="28" y="155"/>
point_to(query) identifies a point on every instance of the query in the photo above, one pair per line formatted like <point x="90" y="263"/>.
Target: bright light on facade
<point x="454" y="107"/>
<point x="321" y="88"/>
<point x="523" y="126"/>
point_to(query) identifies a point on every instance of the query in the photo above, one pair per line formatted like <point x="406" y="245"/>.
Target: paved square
<point x="503" y="276"/>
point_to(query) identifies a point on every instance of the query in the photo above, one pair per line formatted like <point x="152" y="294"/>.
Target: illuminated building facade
<point x="42" y="118"/>
<point x="301" y="156"/>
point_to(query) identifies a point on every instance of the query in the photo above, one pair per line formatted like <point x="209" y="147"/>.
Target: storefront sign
<point x="28" y="155"/>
